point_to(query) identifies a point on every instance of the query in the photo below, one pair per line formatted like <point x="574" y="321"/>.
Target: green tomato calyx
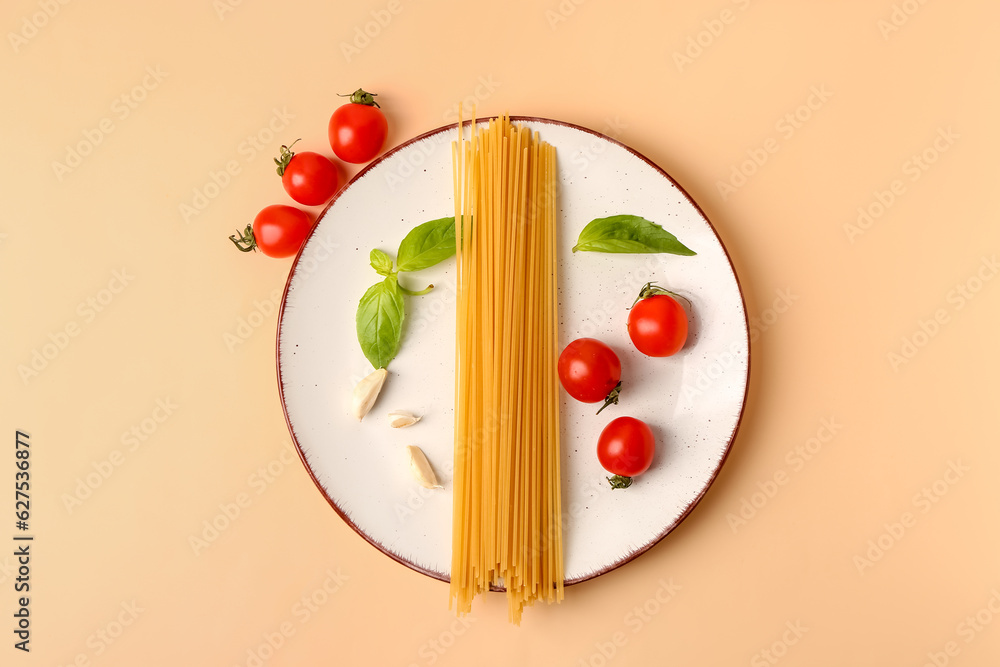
<point x="652" y="289"/>
<point x="285" y="157"/>
<point x="619" y="482"/>
<point x="245" y="241"/>
<point x="359" y="96"/>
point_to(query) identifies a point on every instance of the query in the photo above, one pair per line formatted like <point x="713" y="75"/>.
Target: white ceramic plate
<point x="693" y="401"/>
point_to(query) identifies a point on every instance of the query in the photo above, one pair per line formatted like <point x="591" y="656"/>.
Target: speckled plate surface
<point x="693" y="401"/>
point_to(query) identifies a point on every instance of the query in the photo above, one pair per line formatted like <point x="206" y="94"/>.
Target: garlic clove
<point x="365" y="392"/>
<point x="422" y="469"/>
<point x="401" y="419"/>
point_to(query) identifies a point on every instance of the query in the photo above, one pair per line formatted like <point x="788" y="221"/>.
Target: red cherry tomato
<point x="358" y="129"/>
<point x="308" y="178"/>
<point x="657" y="323"/>
<point x="590" y="371"/>
<point x="625" y="449"/>
<point x="278" y="231"/>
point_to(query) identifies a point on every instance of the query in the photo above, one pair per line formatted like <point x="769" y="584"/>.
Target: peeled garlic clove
<point x="421" y="468"/>
<point x="400" y="419"/>
<point x="365" y="392"/>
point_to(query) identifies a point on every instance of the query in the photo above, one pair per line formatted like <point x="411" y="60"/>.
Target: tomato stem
<point x="359" y="96"/>
<point x="612" y="397"/>
<point x="246" y="237"/>
<point x="286" y="156"/>
<point x="652" y="289"/>
<point x="619" y="481"/>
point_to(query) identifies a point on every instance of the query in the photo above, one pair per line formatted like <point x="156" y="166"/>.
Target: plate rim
<point x="530" y="119"/>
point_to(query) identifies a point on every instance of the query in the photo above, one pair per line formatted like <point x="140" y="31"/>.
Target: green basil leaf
<point x="380" y="322"/>
<point x="426" y="245"/>
<point x="381" y="262"/>
<point x="628" y="234"/>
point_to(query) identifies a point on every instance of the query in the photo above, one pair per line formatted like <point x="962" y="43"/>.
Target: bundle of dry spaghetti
<point x="507" y="509"/>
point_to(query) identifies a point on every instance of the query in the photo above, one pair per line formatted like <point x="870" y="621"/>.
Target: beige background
<point x="145" y="312"/>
